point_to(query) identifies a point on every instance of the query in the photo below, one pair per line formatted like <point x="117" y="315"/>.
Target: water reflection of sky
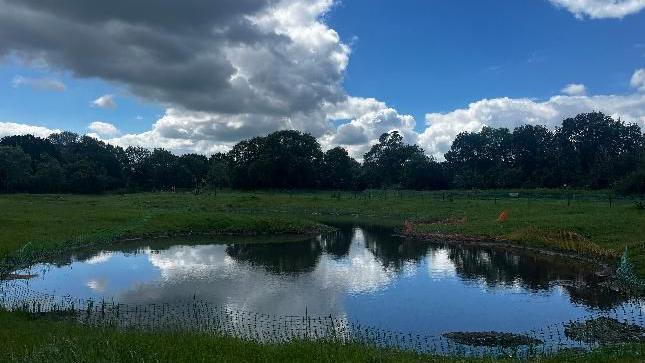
<point x="367" y="276"/>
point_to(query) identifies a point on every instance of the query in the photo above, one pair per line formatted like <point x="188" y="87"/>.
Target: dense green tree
<point x="532" y="150"/>
<point x="384" y="161"/>
<point x="244" y="163"/>
<point x="95" y="154"/>
<point x="64" y="141"/>
<point x="421" y="172"/>
<point x="86" y="176"/>
<point x="292" y="159"/>
<point x="162" y="167"/>
<point x="49" y="176"/>
<point x="595" y="150"/>
<point x="33" y="146"/>
<point x="590" y="150"/>
<point x="192" y="170"/>
<point x="283" y="159"/>
<point x="634" y="181"/>
<point x="218" y="171"/>
<point x="15" y="169"/>
<point x="136" y="167"/>
<point x="339" y="170"/>
<point x="477" y="158"/>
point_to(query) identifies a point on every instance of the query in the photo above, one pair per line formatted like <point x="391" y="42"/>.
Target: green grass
<point x="28" y="339"/>
<point x="55" y="222"/>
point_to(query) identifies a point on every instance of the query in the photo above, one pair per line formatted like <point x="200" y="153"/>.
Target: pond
<point x="362" y="274"/>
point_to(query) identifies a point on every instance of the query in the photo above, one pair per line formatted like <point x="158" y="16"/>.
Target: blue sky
<point x="435" y="56"/>
<point x="70" y="109"/>
<point x="344" y="71"/>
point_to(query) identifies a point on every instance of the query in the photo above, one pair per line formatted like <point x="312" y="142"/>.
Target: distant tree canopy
<point x="588" y="151"/>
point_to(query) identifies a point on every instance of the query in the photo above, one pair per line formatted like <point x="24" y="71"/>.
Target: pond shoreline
<point x="605" y="269"/>
<point x="6" y="268"/>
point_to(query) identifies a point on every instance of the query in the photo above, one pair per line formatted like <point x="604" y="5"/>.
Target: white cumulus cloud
<point x="574" y="89"/>
<point x="363" y="121"/>
<point x="12" y="128"/>
<point x="103" y="129"/>
<point x="105" y="101"/>
<point x="600" y="9"/>
<point x="638" y="80"/>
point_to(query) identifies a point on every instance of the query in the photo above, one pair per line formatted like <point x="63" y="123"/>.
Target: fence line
<point x="201" y="316"/>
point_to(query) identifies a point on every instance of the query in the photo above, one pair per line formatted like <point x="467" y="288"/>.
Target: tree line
<point x="588" y="151"/>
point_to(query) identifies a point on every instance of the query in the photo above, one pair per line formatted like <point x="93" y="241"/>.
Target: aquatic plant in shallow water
<point x="605" y="331"/>
<point x="626" y="276"/>
<point x="492" y="339"/>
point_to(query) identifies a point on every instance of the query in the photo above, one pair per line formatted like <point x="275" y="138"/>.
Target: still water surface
<point x="361" y="274"/>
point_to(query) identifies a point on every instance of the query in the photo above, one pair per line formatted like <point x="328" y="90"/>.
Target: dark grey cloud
<point x="349" y="134"/>
<point x="204" y="55"/>
<point x="216" y="127"/>
<point x="162" y="14"/>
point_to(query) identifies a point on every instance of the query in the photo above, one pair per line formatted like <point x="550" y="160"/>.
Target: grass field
<point x="33" y="226"/>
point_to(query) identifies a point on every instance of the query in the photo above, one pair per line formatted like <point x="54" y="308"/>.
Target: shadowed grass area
<point x="29" y="339"/>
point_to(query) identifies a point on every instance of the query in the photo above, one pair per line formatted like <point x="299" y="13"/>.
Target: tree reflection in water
<point x="279" y="258"/>
<point x="493" y="267"/>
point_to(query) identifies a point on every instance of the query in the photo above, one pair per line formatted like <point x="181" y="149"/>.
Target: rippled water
<point x="361" y="274"/>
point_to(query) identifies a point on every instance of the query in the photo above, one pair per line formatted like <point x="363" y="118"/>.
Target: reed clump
<point x="562" y="240"/>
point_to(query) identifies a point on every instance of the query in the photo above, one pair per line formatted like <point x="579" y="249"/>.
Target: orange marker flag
<point x="503" y="217"/>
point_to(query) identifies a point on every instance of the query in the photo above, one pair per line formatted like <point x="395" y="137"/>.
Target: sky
<point x="201" y="75"/>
